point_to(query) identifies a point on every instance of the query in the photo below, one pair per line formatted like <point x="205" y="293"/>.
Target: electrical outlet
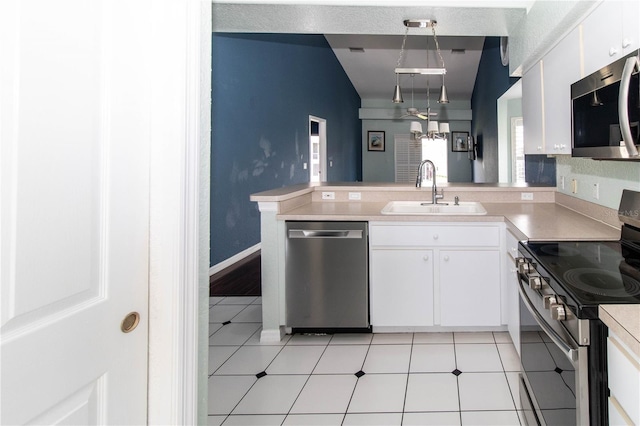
<point x="328" y="195"/>
<point x="574" y="186"/>
<point x="355" y="196"/>
<point x="528" y="196"/>
<point x="596" y="191"/>
<point x="561" y="182"/>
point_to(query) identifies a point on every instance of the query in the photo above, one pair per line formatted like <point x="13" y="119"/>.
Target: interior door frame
<point x="180" y="111"/>
<point x="322" y="133"/>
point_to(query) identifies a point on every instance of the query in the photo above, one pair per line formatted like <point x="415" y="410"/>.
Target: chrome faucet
<point x="434" y="190"/>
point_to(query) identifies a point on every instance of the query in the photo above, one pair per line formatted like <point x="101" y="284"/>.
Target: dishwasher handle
<point x="325" y="233"/>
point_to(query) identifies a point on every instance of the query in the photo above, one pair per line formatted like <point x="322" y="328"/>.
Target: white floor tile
<point x="392" y="339"/>
<point x="249" y="360"/>
<point x="433" y="359"/>
<point x="218" y="355"/>
<point x="437" y="338"/>
<point x="255" y="340"/>
<point x="313" y="420"/>
<point x="215" y="420"/>
<point x="474" y="337"/>
<point x="296" y="360"/>
<point x="213" y="328"/>
<point x="386" y="419"/>
<point x="431" y="419"/>
<point x="513" y="379"/>
<point x="484" y="391"/>
<point x="351" y="339"/>
<point x="379" y="393"/>
<point x="238" y="300"/>
<point x="251" y="313"/>
<point x="223" y="313"/>
<point x="226" y="391"/>
<point x="255" y="420"/>
<point x="490" y="418"/>
<point x="432" y="392"/>
<point x="215" y="299"/>
<point x="310" y="339"/>
<point x="502" y="337"/>
<point x="387" y="359"/>
<point x="477" y="358"/>
<point x="509" y="357"/>
<point x="325" y="394"/>
<point x="233" y="334"/>
<point x="271" y="395"/>
<point x="338" y="359"/>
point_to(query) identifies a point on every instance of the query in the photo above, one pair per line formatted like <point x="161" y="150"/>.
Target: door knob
<point x="130" y="322"/>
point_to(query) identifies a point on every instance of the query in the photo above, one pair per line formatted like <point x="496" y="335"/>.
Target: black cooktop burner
<point x="592" y="272"/>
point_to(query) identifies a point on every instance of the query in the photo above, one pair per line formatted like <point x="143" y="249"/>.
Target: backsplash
<point x="611" y="176"/>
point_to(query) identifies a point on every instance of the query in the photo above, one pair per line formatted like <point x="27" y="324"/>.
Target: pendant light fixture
<point x="435" y="130"/>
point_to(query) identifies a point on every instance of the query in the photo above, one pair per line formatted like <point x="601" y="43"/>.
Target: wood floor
<point x="239" y="279"/>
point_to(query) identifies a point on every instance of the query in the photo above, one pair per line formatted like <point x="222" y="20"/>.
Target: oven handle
<point x="569" y="351"/>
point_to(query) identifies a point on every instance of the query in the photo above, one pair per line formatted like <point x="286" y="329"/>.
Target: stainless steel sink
<point x="427" y="208"/>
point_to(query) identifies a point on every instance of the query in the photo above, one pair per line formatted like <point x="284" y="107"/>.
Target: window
<point x="409" y="153"/>
<point x="517" y="150"/>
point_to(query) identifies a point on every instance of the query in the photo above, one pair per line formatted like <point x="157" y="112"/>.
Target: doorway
<point x="317" y="149"/>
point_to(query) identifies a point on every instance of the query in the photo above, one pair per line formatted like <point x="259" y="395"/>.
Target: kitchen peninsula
<point x="526" y="212"/>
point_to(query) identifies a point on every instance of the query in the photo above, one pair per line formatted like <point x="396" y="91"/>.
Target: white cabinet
<point x="511" y="290"/>
<point x="435" y="274"/>
<point x="532" y="110"/>
<point x="546" y="98"/>
<point x="609" y="33"/>
<point x="401" y="287"/>
<point x="624" y="382"/>
<point x="561" y="68"/>
<point x="469" y="287"/>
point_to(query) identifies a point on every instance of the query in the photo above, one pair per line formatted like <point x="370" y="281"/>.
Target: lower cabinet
<point x="624" y="382"/>
<point x="401" y="287"/>
<point x="443" y="274"/>
<point x="469" y="287"/>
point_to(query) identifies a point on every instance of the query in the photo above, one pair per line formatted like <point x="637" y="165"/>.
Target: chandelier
<point x="435" y="130"/>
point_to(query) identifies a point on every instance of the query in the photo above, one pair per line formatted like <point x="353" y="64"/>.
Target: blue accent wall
<point x="491" y="83"/>
<point x="264" y="87"/>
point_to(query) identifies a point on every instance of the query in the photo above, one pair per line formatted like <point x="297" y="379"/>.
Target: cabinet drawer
<point x="624" y="378"/>
<point x="434" y="235"/>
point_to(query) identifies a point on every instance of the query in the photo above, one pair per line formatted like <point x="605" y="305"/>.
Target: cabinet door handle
<point x="446" y="258"/>
<point x="435" y="237"/>
<point x="425" y="257"/>
<point x="613" y="51"/>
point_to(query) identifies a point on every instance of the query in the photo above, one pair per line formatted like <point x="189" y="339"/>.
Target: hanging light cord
<point x="404" y="40"/>
<point x="433" y="30"/>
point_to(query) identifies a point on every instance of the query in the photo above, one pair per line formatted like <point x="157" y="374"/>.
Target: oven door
<point x="554" y="379"/>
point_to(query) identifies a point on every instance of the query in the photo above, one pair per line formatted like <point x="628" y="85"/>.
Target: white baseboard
<point x="233" y="259"/>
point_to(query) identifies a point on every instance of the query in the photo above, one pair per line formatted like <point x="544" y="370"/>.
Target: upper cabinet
<point x="546" y="98"/>
<point x="609" y="33"/>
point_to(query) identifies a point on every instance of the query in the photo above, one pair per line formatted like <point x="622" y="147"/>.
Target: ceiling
<point x="372" y="71"/>
<point x="377" y="27"/>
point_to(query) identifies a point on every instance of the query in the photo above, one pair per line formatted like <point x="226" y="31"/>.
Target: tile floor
<point x="355" y="379"/>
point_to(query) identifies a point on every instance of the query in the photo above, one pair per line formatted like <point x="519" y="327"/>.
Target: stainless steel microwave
<point x="605" y="112"/>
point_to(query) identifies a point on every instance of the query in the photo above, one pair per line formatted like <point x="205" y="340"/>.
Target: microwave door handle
<point x="623" y="105"/>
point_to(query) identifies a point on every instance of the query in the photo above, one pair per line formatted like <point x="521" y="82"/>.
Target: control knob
<point x="550" y="300"/>
<point x="558" y="312"/>
<point x="535" y="281"/>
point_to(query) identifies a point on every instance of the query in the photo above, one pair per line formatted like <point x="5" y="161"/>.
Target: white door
<point x="317" y="149"/>
<point x="74" y="211"/>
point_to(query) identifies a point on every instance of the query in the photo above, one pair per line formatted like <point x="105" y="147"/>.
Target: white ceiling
<point x="377" y="26"/>
<point x="372" y="71"/>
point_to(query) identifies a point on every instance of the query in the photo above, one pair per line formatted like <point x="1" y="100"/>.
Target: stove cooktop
<point x="592" y="272"/>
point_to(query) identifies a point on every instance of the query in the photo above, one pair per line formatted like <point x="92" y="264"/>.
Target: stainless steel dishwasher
<point x="327" y="276"/>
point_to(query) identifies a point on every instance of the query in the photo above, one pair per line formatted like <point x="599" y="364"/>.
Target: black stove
<point x="590" y="273"/>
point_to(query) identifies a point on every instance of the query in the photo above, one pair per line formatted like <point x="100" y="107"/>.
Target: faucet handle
<point x="456" y="200"/>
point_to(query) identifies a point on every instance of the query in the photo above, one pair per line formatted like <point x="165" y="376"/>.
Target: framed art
<point x="375" y="140"/>
<point x="459" y="141"/>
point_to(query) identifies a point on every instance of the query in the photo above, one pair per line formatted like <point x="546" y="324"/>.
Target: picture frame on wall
<point x="375" y="140"/>
<point x="459" y="141"/>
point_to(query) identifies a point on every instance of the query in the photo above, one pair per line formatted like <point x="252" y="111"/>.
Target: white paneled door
<point x="74" y="211"/>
